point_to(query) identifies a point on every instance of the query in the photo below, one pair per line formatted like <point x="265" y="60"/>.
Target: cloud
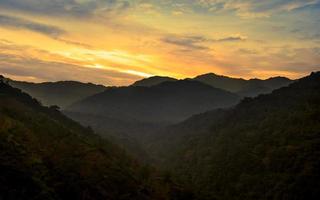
<point x="315" y="37"/>
<point x="256" y="8"/>
<point x="25" y="62"/>
<point x="197" y="42"/>
<point x="66" y="7"/>
<point x="19" y="23"/>
<point x="15" y="65"/>
<point x="187" y="42"/>
<point x="230" y="39"/>
<point x="45" y="29"/>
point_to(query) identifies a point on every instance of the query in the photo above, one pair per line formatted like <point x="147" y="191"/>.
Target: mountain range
<point x="167" y="102"/>
<point x="204" y="139"/>
<point x="62" y="93"/>
<point x="264" y="148"/>
<point x="45" y="155"/>
<point x="240" y="86"/>
<point x="128" y="115"/>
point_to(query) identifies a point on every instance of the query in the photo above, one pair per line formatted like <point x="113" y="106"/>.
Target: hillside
<point x="62" y="93"/>
<point x="266" y="147"/>
<point x="152" y="81"/>
<point x="250" y="88"/>
<point x="45" y="155"/>
<point x="164" y="103"/>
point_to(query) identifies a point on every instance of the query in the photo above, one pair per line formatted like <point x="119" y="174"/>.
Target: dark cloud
<point x="197" y="42"/>
<point x="247" y="51"/>
<point x="187" y="42"/>
<point x="230" y="39"/>
<point x="19" y="23"/>
<point x="255" y="8"/>
<point x="45" y="29"/>
<point x="66" y="7"/>
<point x="315" y="36"/>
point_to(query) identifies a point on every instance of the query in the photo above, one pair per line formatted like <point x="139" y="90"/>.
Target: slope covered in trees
<point x="249" y="88"/>
<point x="242" y="87"/>
<point x="62" y="93"/>
<point x="267" y="147"/>
<point x="164" y="103"/>
<point x="45" y="155"/>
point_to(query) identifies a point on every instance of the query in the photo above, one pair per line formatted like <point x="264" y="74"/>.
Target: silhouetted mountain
<point x="164" y="103"/>
<point x="46" y="156"/>
<point x="152" y="81"/>
<point x="266" y="147"/>
<point x="223" y="82"/>
<point x="62" y="94"/>
<point x="252" y="87"/>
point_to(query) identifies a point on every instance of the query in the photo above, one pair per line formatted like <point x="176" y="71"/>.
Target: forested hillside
<point x="62" y="93"/>
<point x="45" y="155"/>
<point x="264" y="148"/>
<point x="246" y="88"/>
<point x="167" y="102"/>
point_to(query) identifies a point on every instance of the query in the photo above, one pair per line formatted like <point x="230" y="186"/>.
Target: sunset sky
<point x="116" y="42"/>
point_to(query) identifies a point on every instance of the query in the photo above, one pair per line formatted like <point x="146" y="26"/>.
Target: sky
<point x="116" y="42"/>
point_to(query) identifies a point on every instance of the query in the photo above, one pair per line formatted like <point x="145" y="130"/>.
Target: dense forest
<point x="45" y="155"/>
<point x="266" y="147"/>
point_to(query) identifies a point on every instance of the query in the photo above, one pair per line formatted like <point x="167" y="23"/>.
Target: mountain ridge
<point x="151" y="103"/>
<point x="47" y="156"/>
<point x="263" y="148"/>
<point x="60" y="93"/>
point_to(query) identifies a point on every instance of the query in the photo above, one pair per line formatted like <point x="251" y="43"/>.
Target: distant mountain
<point x="62" y="93"/>
<point x="252" y="87"/>
<point x="223" y="82"/>
<point x="46" y="156"/>
<point x="152" y="81"/>
<point x="167" y="102"/>
<point x="266" y="147"/>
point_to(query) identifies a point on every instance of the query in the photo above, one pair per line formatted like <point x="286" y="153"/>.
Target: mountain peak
<point x="154" y="80"/>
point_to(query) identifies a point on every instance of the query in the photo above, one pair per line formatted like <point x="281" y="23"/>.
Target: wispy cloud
<point x="198" y="42"/>
<point x="67" y="7"/>
<point x="25" y="61"/>
<point x="256" y="8"/>
<point x="187" y="42"/>
<point x="19" y="23"/>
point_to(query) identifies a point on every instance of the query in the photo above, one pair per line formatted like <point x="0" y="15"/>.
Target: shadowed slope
<point x="163" y="103"/>
<point x="264" y="148"/>
<point x="62" y="94"/>
<point x="45" y="155"/>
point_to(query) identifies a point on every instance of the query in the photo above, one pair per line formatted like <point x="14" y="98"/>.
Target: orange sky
<point x="116" y="42"/>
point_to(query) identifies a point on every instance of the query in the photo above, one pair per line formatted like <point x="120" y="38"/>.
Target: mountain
<point x="250" y="88"/>
<point x="266" y="147"/>
<point x="62" y="93"/>
<point x="223" y="82"/>
<point x="47" y="156"/>
<point x="167" y="102"/>
<point x="152" y="81"/>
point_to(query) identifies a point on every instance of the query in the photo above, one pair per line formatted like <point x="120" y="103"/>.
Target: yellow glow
<point x="151" y="39"/>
